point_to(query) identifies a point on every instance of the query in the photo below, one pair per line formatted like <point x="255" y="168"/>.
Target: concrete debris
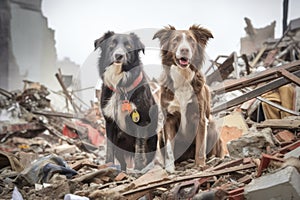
<point x="256" y="37"/>
<point x="251" y="144"/>
<point x="283" y="184"/>
<point x="293" y="153"/>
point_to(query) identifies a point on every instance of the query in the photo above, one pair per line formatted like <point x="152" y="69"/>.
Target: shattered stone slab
<point x="251" y="144"/>
<point x="293" y="153"/>
<point x="283" y="184"/>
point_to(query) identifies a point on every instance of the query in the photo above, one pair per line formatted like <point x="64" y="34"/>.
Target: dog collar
<point x="135" y="83"/>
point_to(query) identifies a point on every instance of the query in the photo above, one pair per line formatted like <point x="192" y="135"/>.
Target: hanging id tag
<point x="135" y="116"/>
<point x="126" y="106"/>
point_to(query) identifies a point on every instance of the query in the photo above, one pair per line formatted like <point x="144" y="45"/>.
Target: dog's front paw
<point x="170" y="168"/>
<point x="200" y="162"/>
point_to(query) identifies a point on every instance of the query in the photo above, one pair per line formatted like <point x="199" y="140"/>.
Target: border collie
<point x="127" y="103"/>
<point x="185" y="98"/>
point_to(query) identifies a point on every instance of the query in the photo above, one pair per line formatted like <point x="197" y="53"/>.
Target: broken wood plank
<point x="262" y="50"/>
<point x="254" y="93"/>
<point x="109" y="172"/>
<point x="185" y="178"/>
<point x="81" y="163"/>
<point x="289" y="76"/>
<point x="66" y="92"/>
<point x="285" y="123"/>
<point x="288" y="148"/>
<point x="261" y="77"/>
<point x="227" y="164"/>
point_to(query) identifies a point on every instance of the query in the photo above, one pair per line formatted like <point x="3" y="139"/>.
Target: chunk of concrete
<point x="281" y="185"/>
<point x="250" y="144"/>
<point x="293" y="153"/>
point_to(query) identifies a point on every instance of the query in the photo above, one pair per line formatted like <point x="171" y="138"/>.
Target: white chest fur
<point x="113" y="75"/>
<point x="113" y="110"/>
<point x="183" y="91"/>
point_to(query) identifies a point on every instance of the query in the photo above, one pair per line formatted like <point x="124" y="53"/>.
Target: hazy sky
<point x="77" y="23"/>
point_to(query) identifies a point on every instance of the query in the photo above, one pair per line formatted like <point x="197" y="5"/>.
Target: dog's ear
<point x="164" y="35"/>
<point x="106" y="35"/>
<point x="202" y="35"/>
<point x="138" y="44"/>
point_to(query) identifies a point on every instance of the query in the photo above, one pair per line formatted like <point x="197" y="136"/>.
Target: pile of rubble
<point x="47" y="154"/>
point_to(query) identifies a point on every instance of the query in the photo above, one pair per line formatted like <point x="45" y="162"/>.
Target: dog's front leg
<point x="170" y="132"/>
<point x="201" y="137"/>
<point x="139" y="156"/>
<point x="160" y="151"/>
<point x="169" y="156"/>
<point x="110" y="151"/>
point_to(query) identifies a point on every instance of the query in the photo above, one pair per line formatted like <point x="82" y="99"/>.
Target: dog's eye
<point x="128" y="46"/>
<point x="175" y="41"/>
<point x="112" y="45"/>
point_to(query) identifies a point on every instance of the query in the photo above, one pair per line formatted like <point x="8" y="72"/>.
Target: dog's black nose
<point x="184" y="50"/>
<point x="119" y="56"/>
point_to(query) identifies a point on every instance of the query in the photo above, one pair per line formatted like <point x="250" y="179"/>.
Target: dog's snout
<point x="184" y="50"/>
<point x="119" y="56"/>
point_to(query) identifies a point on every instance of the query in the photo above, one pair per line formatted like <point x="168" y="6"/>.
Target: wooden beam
<point x="286" y="123"/>
<point x="65" y="91"/>
<point x="264" y="76"/>
<point x="289" y="76"/>
<point x="190" y="177"/>
<point x="262" y="50"/>
<point x="254" y="93"/>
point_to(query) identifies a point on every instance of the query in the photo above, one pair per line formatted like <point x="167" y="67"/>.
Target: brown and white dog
<point x="185" y="98"/>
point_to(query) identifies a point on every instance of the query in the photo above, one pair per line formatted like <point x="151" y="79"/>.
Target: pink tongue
<point x="183" y="62"/>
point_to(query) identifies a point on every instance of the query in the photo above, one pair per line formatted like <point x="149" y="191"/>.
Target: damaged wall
<point x="7" y="61"/>
<point x="27" y="44"/>
<point x="4" y="42"/>
<point x="256" y="37"/>
<point x="33" y="42"/>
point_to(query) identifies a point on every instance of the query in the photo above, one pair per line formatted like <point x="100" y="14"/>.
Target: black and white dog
<point x="127" y="103"/>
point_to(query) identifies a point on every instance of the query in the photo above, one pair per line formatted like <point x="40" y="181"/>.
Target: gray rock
<point x="281" y="185"/>
<point x="251" y="144"/>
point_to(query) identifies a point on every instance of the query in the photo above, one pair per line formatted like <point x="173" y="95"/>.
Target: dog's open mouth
<point x="183" y="62"/>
